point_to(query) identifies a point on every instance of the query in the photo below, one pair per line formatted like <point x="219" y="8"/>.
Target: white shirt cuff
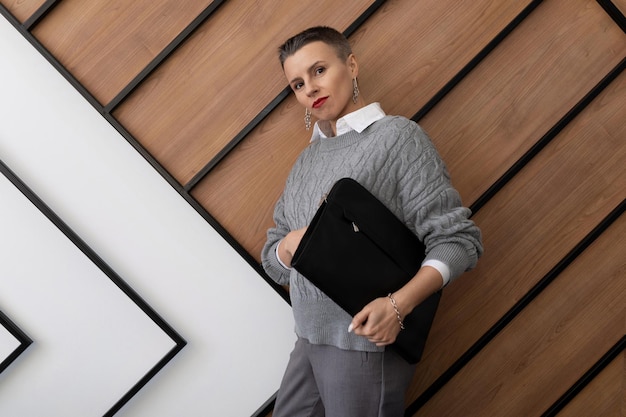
<point x="443" y="269"/>
<point x="278" y="257"/>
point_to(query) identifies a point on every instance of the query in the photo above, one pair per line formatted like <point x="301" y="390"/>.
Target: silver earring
<point x="355" y="91"/>
<point x="307" y="119"/>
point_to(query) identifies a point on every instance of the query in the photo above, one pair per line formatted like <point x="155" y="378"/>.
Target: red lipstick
<point x="319" y="102"/>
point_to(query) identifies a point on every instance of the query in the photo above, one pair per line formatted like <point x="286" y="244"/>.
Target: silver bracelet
<point x="395" y="308"/>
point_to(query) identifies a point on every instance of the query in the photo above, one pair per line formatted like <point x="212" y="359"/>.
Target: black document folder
<point x="356" y="250"/>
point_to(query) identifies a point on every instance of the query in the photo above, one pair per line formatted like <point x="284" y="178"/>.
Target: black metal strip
<point x="270" y="107"/>
<point x="369" y="12"/>
<point x="196" y="206"/>
<point x="94" y="257"/>
<point x="159" y="168"/>
<point x="113" y="276"/>
<point x="615" y="13"/>
<point x="237" y="246"/>
<point x="40" y="14"/>
<point x="139" y="148"/>
<point x="473" y="63"/>
<point x="22" y="337"/>
<point x="595" y="370"/>
<point x="515" y="310"/>
<point x="237" y="139"/>
<point x="163" y="55"/>
<point x="548" y="137"/>
<point x="266" y="408"/>
<point x="51" y="59"/>
<point x="144" y="380"/>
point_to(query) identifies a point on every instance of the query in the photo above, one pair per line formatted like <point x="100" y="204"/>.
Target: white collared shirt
<point x="359" y="120"/>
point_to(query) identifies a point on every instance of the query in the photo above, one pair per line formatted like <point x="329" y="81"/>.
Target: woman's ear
<point x="353" y="65"/>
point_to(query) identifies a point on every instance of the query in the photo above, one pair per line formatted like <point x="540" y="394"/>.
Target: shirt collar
<point x="358" y="120"/>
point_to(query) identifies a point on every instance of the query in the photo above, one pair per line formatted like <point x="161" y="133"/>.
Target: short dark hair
<point x="324" y="34"/>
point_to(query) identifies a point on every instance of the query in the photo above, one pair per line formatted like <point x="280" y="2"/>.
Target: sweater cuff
<point x="443" y="269"/>
<point x="278" y="257"/>
<point x="452" y="255"/>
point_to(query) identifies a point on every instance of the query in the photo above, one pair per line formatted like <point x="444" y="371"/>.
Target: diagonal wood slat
<point x="105" y="44"/>
<point x="604" y="396"/>
<point x="531" y="225"/>
<point x="521" y="90"/>
<point x="218" y="81"/>
<point x="22" y="9"/>
<point x="551" y="344"/>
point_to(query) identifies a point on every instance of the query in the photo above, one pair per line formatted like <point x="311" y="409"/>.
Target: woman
<point x="339" y="366"/>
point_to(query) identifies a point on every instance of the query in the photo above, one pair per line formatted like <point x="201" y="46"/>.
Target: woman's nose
<point x="311" y="89"/>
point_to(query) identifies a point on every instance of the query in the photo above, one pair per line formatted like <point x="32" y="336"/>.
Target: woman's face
<point x="322" y="81"/>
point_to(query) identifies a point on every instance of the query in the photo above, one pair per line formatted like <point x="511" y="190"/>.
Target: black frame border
<point x="113" y="276"/>
<point x="20" y="335"/>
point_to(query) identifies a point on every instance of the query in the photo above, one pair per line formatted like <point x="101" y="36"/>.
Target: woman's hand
<point x="287" y="247"/>
<point x="378" y="322"/>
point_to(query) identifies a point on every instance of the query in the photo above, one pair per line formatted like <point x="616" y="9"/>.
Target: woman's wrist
<point x="426" y="282"/>
<point x="396" y="310"/>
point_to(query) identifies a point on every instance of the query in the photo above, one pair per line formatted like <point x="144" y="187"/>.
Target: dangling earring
<point x="355" y="90"/>
<point x="307" y="119"/>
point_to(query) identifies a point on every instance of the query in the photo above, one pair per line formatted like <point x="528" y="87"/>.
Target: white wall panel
<point x="238" y="330"/>
<point x="92" y="342"/>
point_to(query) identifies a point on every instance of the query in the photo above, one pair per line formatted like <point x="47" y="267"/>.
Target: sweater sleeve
<point x="274" y="268"/>
<point x="433" y="208"/>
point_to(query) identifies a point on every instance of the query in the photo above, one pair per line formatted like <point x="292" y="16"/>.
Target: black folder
<point x="356" y="250"/>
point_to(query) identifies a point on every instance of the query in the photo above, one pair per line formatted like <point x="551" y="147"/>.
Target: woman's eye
<point x="298" y="86"/>
<point x="319" y="70"/>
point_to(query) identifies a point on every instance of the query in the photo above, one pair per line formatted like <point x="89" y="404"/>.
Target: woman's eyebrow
<point x="315" y="64"/>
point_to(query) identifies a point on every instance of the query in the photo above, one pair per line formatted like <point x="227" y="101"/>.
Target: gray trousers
<point x="324" y="381"/>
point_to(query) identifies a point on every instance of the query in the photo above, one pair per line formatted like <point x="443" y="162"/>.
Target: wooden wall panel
<point x="220" y="80"/>
<point x="22" y="9"/>
<point x="533" y="79"/>
<point x="551" y="344"/>
<point x="403" y="69"/>
<point x="604" y="396"/>
<point x="267" y="153"/>
<point x="106" y="43"/>
<point x="416" y="64"/>
<point x="531" y="225"/>
<point x="211" y="107"/>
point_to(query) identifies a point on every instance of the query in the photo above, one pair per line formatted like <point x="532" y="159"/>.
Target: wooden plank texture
<point x="605" y="396"/>
<point x="431" y="42"/>
<point x="551" y="344"/>
<point x="522" y="89"/>
<point x="106" y="43"/>
<point x="530" y="225"/>
<point x="22" y="9"/>
<point x="416" y="54"/>
<point x="196" y="103"/>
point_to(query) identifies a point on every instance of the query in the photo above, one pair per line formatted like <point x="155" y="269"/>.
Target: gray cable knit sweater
<point x="397" y="162"/>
